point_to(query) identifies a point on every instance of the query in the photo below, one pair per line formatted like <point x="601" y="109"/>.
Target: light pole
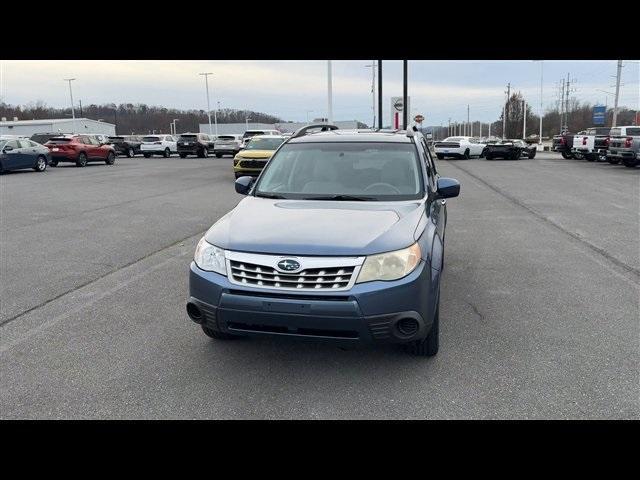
<point x="329" y="94"/>
<point x="175" y="127"/>
<point x="541" y="83"/>
<point x="73" y="113"/>
<point x="206" y="82"/>
<point x="308" y="112"/>
<point x="373" y="90"/>
<point x="247" y="122"/>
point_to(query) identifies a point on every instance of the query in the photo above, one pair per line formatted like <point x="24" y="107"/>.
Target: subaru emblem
<point x="288" y="265"/>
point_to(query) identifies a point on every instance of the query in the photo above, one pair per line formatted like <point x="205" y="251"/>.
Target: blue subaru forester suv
<point x="340" y="238"/>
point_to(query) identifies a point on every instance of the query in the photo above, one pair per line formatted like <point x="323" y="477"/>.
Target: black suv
<point x="199" y="144"/>
<point x="128" y="145"/>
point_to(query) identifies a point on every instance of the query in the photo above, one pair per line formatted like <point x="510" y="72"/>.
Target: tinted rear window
<point x="226" y="137"/>
<point x="188" y="137"/>
<point x="633" y="131"/>
<point x="59" y="140"/>
<point x="615" y="131"/>
<point x="151" y="139"/>
<point x="116" y="139"/>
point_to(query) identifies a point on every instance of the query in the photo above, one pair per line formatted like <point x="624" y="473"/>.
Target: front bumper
<point x="367" y="313"/>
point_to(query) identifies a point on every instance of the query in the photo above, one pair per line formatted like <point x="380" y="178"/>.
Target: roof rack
<point x="324" y="127"/>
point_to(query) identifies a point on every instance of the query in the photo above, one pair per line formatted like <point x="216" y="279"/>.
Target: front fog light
<point x="210" y="258"/>
<point x="390" y="265"/>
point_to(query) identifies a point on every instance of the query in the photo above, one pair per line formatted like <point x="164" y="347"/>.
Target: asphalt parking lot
<point x="539" y="309"/>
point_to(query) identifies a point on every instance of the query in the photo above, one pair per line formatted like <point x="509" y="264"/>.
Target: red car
<point x="79" y="149"/>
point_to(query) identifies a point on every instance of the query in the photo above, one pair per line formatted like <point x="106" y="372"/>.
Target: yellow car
<point x="255" y="155"/>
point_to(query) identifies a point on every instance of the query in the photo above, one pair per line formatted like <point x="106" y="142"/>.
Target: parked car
<point x="18" y="154"/>
<point x="563" y="144"/>
<point x="592" y="144"/>
<point x="252" y="133"/>
<point x="341" y="238"/>
<point x="227" y="145"/>
<point x="128" y="145"/>
<point x="161" y="144"/>
<point x="509" y="149"/>
<point x="624" y="146"/>
<point x="254" y="157"/>
<point x="459" y="147"/>
<point x="79" y="149"/>
<point x="43" y="138"/>
<point x="199" y="144"/>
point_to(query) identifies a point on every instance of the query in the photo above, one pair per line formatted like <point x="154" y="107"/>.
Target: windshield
<point x="367" y="171"/>
<point x="264" y="143"/>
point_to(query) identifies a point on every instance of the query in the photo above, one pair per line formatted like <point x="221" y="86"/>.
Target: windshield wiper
<point x="269" y="195"/>
<point x="343" y="197"/>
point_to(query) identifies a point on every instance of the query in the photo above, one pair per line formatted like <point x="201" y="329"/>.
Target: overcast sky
<point x="288" y="89"/>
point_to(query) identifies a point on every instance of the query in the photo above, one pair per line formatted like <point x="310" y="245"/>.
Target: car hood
<point x="314" y="227"/>
<point x="255" y="154"/>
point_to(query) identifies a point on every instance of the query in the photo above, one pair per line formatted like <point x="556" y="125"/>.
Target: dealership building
<point x="284" y="127"/>
<point x="55" y="125"/>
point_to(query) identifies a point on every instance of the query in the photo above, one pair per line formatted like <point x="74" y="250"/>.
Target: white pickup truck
<point x="591" y="144"/>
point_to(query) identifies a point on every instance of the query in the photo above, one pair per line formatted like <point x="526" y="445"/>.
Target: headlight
<point x="390" y="265"/>
<point x="210" y="258"/>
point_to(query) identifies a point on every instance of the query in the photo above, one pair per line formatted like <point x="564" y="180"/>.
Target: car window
<point x="12" y="143"/>
<point x="376" y="171"/>
<point x="633" y="131"/>
<point x="264" y="143"/>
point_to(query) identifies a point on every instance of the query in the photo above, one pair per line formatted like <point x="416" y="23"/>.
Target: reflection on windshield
<point x="264" y="144"/>
<point x="344" y="171"/>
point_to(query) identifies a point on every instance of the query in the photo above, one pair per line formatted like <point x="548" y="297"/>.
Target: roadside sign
<point x="397" y="107"/>
<point x="599" y="114"/>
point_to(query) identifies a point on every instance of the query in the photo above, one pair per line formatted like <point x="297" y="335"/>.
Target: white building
<point x="239" y="128"/>
<point x="55" y="125"/>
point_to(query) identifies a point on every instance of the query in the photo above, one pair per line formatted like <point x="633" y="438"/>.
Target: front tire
<point x="82" y="160"/>
<point x="41" y="164"/>
<point x="53" y="163"/>
<point x="166" y="153"/>
<point x="566" y="155"/>
<point x="218" y="155"/>
<point x="428" y="346"/>
<point x="466" y="154"/>
<point x="147" y="155"/>
<point x="211" y="333"/>
<point x="488" y="156"/>
<point x="111" y="159"/>
<point x="630" y="162"/>
<point x="130" y="153"/>
<point x="613" y="161"/>
<point x="440" y="156"/>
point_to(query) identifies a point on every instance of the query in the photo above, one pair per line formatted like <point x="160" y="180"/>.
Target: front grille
<point x="252" y="163"/>
<point x="313" y="278"/>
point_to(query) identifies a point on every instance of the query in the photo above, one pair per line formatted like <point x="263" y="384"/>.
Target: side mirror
<point x="243" y="185"/>
<point x="448" y="188"/>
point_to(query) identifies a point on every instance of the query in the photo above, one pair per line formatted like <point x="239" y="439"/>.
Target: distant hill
<point x="135" y="118"/>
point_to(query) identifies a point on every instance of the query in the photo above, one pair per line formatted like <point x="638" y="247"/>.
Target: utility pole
<point x="489" y="134"/>
<point x="524" y="121"/>
<point x="615" y="104"/>
<point x="541" y="76"/>
<point x="80" y="101"/>
<point x="566" y="110"/>
<point x="470" y="126"/>
<point x="504" y="120"/>
<point x="562" y="109"/>
<point x="206" y="82"/>
<point x="329" y="94"/>
<point x="449" y="127"/>
<point x="73" y="113"/>
<point x="506" y="110"/>
<point x="373" y="91"/>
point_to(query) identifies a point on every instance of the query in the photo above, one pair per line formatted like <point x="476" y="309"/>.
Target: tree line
<point x="136" y="118"/>
<point x="579" y="117"/>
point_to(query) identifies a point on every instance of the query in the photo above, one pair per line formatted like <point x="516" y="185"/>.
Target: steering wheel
<point x="382" y="184"/>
